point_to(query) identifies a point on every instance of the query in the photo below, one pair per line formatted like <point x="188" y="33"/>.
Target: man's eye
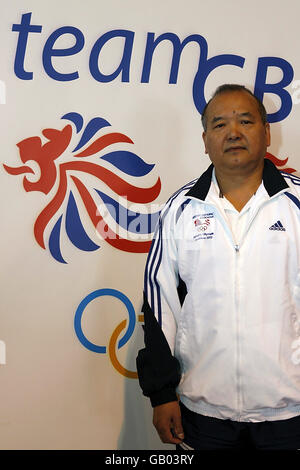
<point x="246" y="121"/>
<point x="218" y="126"/>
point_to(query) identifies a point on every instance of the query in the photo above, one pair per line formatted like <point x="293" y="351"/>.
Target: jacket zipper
<point x="238" y="334"/>
<point x="237" y="245"/>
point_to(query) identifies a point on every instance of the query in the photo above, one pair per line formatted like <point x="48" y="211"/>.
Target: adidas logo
<point x="277" y="226"/>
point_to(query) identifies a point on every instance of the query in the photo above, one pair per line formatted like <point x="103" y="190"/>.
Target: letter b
<point x="261" y="87"/>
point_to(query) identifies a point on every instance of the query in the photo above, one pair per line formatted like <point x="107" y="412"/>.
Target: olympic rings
<point x="83" y="304"/>
<point x="112" y="353"/>
<point x="113" y="342"/>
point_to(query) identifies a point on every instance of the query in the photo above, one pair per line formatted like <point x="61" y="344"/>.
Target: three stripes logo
<point x="277" y="226"/>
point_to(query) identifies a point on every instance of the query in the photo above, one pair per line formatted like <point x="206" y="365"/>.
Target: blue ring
<point x="83" y="304"/>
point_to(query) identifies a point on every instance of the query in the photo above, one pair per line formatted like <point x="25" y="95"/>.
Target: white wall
<point x="54" y="392"/>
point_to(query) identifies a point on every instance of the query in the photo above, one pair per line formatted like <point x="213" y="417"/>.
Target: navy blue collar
<point x="273" y="181"/>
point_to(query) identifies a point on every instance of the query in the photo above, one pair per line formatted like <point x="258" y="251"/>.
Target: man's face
<point x="236" y="139"/>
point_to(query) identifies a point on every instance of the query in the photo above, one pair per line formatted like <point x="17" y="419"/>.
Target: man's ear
<point x="204" y="140"/>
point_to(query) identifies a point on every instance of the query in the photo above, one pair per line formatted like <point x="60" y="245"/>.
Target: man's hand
<point x="167" y="421"/>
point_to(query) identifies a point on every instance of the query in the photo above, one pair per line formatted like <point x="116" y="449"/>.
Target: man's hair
<point x="228" y="87"/>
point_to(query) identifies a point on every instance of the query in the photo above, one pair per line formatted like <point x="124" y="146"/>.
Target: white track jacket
<point x="222" y="316"/>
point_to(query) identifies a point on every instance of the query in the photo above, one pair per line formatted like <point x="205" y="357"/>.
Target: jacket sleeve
<point x="158" y="369"/>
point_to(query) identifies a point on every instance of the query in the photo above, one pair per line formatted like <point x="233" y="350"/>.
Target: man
<point x="221" y="362"/>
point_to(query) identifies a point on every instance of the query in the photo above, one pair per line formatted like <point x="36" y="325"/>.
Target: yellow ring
<point x="112" y="353"/>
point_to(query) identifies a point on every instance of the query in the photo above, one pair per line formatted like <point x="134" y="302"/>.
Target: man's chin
<point x="238" y="163"/>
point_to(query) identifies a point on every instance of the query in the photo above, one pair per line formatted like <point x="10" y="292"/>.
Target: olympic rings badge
<point x="114" y="342"/>
<point x="201" y="226"/>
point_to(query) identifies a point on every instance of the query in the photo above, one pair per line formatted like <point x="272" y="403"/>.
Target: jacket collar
<point x="273" y="181"/>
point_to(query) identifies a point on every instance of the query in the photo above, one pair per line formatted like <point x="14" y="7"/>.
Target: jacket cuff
<point x="163" y="396"/>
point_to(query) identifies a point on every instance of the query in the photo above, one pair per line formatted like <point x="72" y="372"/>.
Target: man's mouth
<point x="235" y="148"/>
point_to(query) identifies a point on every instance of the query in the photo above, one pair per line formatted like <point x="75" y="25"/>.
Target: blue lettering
<point x="177" y="50"/>
<point x="261" y="87"/>
<point x="24" y="28"/>
<point x="49" y="52"/>
<point x="205" y="68"/>
<point x="124" y="66"/>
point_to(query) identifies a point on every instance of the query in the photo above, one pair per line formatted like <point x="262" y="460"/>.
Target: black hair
<point x="227" y="87"/>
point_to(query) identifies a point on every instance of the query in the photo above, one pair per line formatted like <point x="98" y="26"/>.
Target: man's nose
<point x="234" y="131"/>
